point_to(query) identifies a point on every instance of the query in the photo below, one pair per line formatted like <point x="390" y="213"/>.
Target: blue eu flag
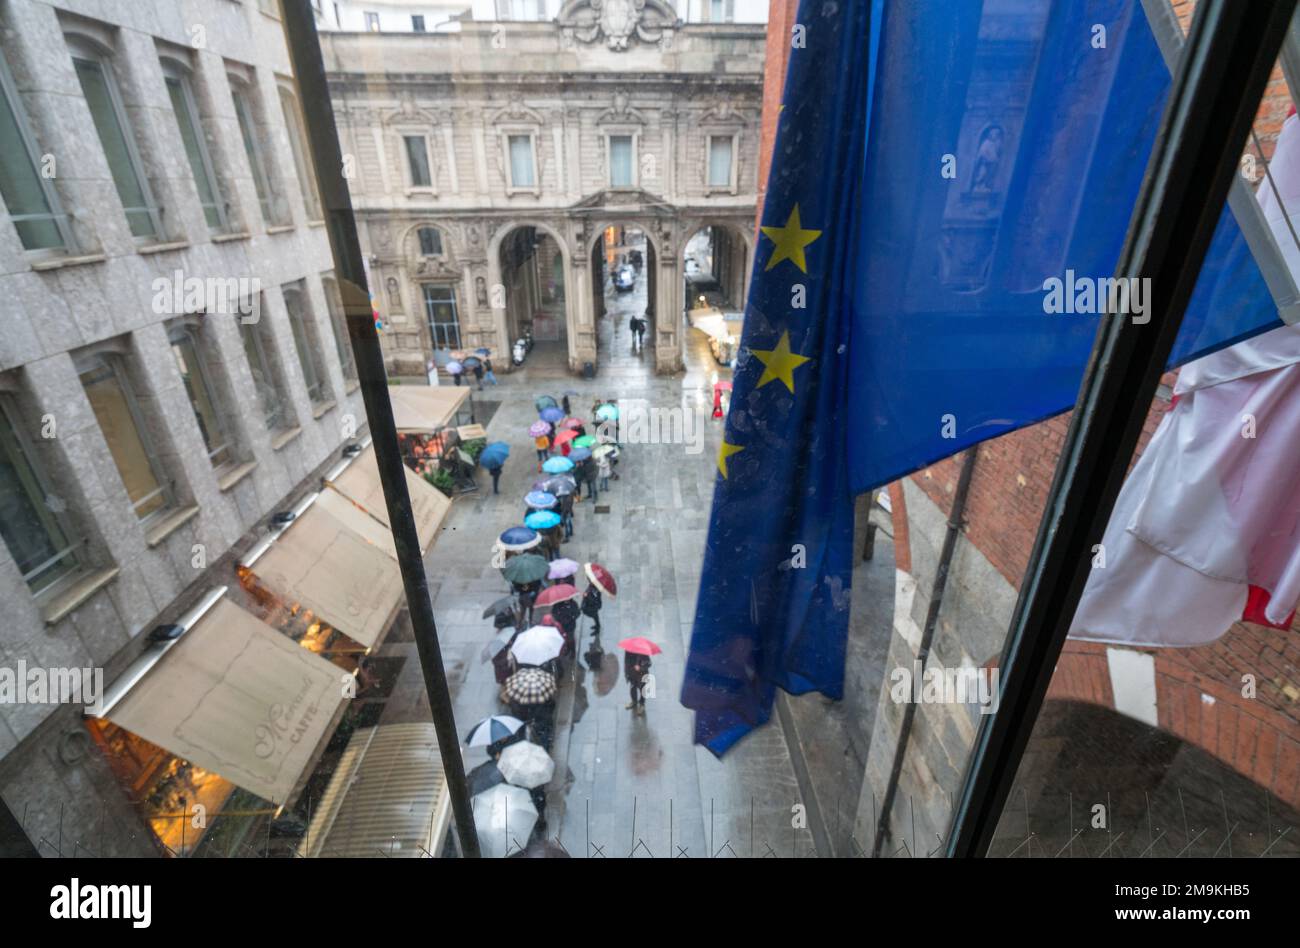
<point x="950" y="183"/>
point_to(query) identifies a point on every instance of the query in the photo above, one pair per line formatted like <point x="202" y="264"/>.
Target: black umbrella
<point x="483" y="777"/>
<point x="504" y="604"/>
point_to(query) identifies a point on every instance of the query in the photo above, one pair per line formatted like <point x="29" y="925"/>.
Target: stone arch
<point x="576" y="331"/>
<point x="660" y="270"/>
<point x="693" y="226"/>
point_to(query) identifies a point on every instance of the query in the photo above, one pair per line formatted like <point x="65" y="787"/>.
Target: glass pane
<point x="521" y="161"/>
<point x="264" y="379"/>
<point x="199" y="390"/>
<point x="194" y="150"/>
<point x="20" y="184"/>
<point x="620" y="161"/>
<point x="719" y="162"/>
<point x="298" y="145"/>
<point x="304" y="344"/>
<point x="30" y="530"/>
<point x="253" y="150"/>
<point x="417" y="157"/>
<point x="112" y="136"/>
<point x="114" y="409"/>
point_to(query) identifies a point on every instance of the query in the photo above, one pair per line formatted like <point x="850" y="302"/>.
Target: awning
<point x="359" y="483"/>
<point x="325" y="560"/>
<point x="389" y="795"/>
<point x="238" y="698"/>
<point x="424" y="409"/>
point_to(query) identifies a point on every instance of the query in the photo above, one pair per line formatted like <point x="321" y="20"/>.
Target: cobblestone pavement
<point x="624" y="785"/>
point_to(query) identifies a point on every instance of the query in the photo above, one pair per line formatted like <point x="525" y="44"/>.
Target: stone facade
<point x="102" y="293"/>
<point x="561" y="91"/>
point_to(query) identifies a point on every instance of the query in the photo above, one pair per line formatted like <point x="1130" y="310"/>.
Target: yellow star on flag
<point x="790" y="241"/>
<point x="727" y="451"/>
<point x="779" y="363"/>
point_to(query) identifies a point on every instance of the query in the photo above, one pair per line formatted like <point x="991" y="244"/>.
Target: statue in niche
<point x="988" y="158"/>
<point x="480" y="290"/>
<point x="394" y="296"/>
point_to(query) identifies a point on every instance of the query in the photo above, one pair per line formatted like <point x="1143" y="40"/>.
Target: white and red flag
<point x="1206" y="530"/>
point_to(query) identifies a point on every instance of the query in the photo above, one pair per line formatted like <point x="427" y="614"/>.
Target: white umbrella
<point x="537" y="645"/>
<point x="526" y="764"/>
<point x="490" y="730"/>
<point x="504" y="817"/>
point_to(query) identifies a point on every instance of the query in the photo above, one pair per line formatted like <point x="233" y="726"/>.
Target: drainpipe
<point x="927" y="639"/>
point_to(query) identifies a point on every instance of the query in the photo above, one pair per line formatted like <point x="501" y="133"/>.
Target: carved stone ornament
<point x="617" y="21"/>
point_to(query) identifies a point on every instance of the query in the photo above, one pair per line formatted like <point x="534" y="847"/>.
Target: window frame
<point x="412" y="186"/>
<point x="278" y="417"/>
<point x="419" y="242"/>
<point x="81" y="48"/>
<point x="425" y="289"/>
<point x="59" y="217"/>
<point x="339" y="325"/>
<point x="112" y="360"/>
<point x="74" y="541"/>
<point x="306" y="343"/>
<point x="634" y="137"/>
<point x="192" y="330"/>
<point x="270" y="197"/>
<point x="417" y="23"/>
<point x="508" y="133"/>
<point x="303" y="162"/>
<point x="176" y="71"/>
<point x="733" y="175"/>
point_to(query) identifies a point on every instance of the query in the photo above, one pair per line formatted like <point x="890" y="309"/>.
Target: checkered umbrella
<point x="530" y="686"/>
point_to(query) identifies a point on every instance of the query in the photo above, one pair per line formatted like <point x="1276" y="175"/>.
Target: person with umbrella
<point x="478" y="373"/>
<point x="455" y="369"/>
<point x="542" y="442"/>
<point x="591" y="607"/>
<point x="530" y="694"/>
<point x="636" y="668"/>
<point x="604" y="468"/>
<point x="588" y="469"/>
<point x="503" y="662"/>
<point x="564" y="403"/>
<point x="487" y="371"/>
<point x="566" y="515"/>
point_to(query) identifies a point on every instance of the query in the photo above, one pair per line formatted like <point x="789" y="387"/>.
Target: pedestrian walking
<point x="640" y="331"/>
<point x="527" y="594"/>
<point x="566" y="515"/>
<point x="496" y="478"/>
<point x="591" y="602"/>
<point x="566" y="615"/>
<point x="564" y="403"/>
<point x="635" y="669"/>
<point x="478" y="374"/>
<point x="488" y="373"/>
<point x="588" y="468"/>
<point x="603" y="469"/>
<point x="503" y="663"/>
<point x="543" y="445"/>
<point x="551" y="542"/>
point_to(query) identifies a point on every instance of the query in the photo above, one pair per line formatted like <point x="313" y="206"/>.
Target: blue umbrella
<point x="540" y="500"/>
<point x="579" y="454"/>
<point x="483" y="351"/>
<point x="557" y="465"/>
<point x="494" y="455"/>
<point x="544" y="401"/>
<point x="542" y="519"/>
<point x="519" y="538"/>
<point x="552" y="414"/>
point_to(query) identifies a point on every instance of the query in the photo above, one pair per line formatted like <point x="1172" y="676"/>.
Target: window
<point x="417" y="161"/>
<point x="188" y="353"/>
<point x="31" y="201"/>
<point x="372" y="22"/>
<point x="430" y="241"/>
<point x="722" y="11"/>
<point x="301" y="159"/>
<point x="620" y="161"/>
<point x="339" y="325"/>
<point x="35" y="534"/>
<point x="196" y="149"/>
<point x="417" y="24"/>
<point x="522" y="172"/>
<point x="105" y="103"/>
<point x="259" y="350"/>
<point x="306" y="344"/>
<point x="720" y="161"/>
<point x="118" y="412"/>
<point x="444" y="324"/>
<point x="274" y="208"/>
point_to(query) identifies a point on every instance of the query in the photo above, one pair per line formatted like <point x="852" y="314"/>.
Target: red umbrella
<point x="561" y="437"/>
<point x="639" y="646"/>
<point x="558" y="593"/>
<point x="572" y="423"/>
<point x="602" y="579"/>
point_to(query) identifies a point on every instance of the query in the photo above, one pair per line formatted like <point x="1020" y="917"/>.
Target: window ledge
<point x="323" y="408"/>
<point x="279" y="229"/>
<point x="147" y="249"/>
<point x="227" y="238"/>
<point x="235" y="475"/>
<point x="351" y="385"/>
<point x="76" y="594"/>
<point x="58" y="263"/>
<point x="169" y="524"/>
<point x="284" y="437"/>
<point x="316" y="223"/>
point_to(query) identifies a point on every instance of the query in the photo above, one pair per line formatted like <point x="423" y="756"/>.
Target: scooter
<point x="520" y="351"/>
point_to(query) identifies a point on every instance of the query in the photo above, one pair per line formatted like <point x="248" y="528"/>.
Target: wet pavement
<point x="624" y="785"/>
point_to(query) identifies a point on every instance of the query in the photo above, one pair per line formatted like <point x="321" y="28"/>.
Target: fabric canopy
<point x="423" y="409"/>
<point x="359" y="483"/>
<point x="240" y="699"/>
<point x="389" y="795"/>
<point x="342" y="575"/>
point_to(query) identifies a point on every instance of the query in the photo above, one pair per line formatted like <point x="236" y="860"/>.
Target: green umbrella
<point x="586" y="441"/>
<point x="527" y="568"/>
<point x="607" y="412"/>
